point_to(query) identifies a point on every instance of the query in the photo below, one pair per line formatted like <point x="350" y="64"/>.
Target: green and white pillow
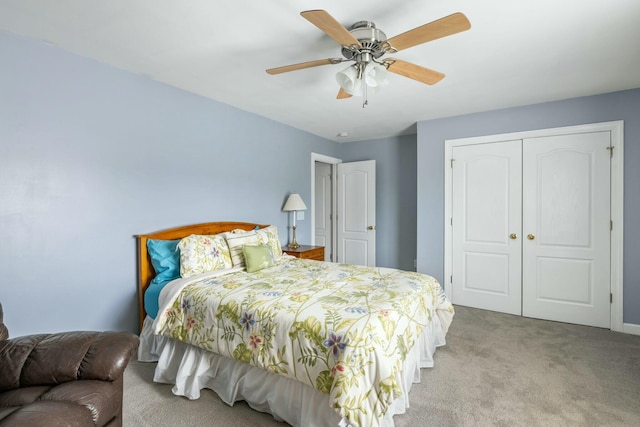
<point x="257" y="257"/>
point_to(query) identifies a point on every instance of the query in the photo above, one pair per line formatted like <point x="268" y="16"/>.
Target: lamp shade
<point x="294" y="203"/>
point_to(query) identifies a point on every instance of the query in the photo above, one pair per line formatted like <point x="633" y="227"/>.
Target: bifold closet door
<point x="566" y="228"/>
<point x="486" y="224"/>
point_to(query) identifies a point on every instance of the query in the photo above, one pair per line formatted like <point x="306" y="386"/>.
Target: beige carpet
<point x="496" y="370"/>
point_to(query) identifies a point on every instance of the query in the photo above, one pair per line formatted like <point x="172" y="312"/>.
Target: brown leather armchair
<point x="63" y="379"/>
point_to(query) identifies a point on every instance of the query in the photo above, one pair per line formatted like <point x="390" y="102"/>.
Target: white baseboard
<point x="630" y="328"/>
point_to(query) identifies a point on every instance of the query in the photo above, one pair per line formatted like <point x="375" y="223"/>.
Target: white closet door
<point x="566" y="223"/>
<point x="487" y="212"/>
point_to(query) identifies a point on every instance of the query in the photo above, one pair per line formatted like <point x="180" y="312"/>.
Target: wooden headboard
<point x="146" y="273"/>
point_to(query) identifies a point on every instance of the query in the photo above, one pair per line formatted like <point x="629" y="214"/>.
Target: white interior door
<point x="323" y="208"/>
<point x="486" y="221"/>
<point x="356" y="222"/>
<point x="566" y="254"/>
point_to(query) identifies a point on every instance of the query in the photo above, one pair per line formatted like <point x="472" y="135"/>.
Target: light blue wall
<point x="593" y="109"/>
<point x="91" y="155"/>
<point x="395" y="196"/>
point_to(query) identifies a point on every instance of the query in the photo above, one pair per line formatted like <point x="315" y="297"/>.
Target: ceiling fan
<point x="365" y="44"/>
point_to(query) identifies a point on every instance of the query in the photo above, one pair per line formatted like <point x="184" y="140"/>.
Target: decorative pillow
<point x="269" y="236"/>
<point x="200" y="254"/>
<point x="165" y="259"/>
<point x="236" y="241"/>
<point x="257" y="257"/>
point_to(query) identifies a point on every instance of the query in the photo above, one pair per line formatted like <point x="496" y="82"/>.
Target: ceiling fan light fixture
<point x="349" y="81"/>
<point x="375" y="76"/>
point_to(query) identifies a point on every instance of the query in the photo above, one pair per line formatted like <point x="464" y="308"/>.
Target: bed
<point x="311" y="342"/>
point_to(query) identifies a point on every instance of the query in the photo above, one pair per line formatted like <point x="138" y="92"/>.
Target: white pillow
<point x="200" y="254"/>
<point x="235" y="241"/>
<point x="269" y="236"/>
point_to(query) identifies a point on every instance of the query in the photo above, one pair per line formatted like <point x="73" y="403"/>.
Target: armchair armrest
<point x="4" y="332"/>
<point x="108" y="356"/>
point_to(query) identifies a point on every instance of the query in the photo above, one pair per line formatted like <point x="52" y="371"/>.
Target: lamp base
<point x="294" y="244"/>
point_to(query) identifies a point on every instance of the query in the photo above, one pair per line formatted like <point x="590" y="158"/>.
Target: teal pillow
<point x="165" y="259"/>
<point x="257" y="257"/>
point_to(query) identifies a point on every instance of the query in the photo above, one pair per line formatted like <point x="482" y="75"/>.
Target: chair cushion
<point x="22" y="396"/>
<point x="101" y="398"/>
<point x="101" y="401"/>
<point x="59" y="414"/>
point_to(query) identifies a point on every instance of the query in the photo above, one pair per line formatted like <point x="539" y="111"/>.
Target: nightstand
<point x="306" y="252"/>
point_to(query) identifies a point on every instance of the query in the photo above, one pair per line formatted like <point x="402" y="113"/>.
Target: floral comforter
<point x="342" y="329"/>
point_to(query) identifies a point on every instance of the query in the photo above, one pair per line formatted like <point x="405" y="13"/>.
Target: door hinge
<point x="611" y="298"/>
<point x="452" y="160"/>
<point x="610" y="148"/>
<point x="610" y="225"/>
<point x="451" y="221"/>
<point x="451" y="279"/>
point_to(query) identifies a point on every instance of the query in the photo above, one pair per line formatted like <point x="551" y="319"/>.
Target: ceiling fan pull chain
<point x="365" y="102"/>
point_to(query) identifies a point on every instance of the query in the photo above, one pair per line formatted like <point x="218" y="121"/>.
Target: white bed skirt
<point x="191" y="369"/>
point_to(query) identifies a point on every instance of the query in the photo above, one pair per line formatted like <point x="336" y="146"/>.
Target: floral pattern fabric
<point x="342" y="329"/>
<point x="200" y="254"/>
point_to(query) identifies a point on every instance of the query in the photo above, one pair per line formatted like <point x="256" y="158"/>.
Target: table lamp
<point x="293" y="204"/>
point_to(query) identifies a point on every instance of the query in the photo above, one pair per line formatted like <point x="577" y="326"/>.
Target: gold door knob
<point x="513" y="236"/>
<point x="371" y="227"/>
<point x="530" y="236"/>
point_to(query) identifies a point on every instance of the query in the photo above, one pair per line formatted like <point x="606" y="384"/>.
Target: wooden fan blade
<point x="415" y="72"/>
<point x="442" y="27"/>
<point x="342" y="94"/>
<point x="302" y="65"/>
<point x="330" y="26"/>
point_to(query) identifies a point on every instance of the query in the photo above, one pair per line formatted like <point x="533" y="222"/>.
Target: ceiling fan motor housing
<point x="373" y="41"/>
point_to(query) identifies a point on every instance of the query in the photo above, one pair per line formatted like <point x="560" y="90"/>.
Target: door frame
<point x="616" y="128"/>
<point x="315" y="157"/>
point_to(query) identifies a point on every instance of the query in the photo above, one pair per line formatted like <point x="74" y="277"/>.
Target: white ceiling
<point x="517" y="52"/>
